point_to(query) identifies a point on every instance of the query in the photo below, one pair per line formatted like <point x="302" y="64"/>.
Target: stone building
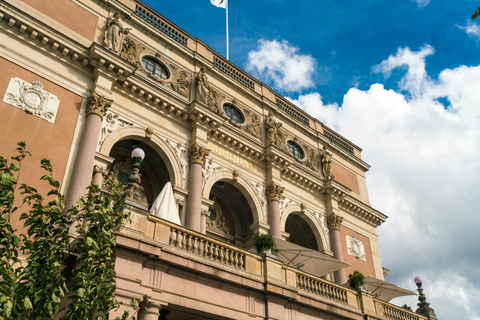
<point x="85" y="81"/>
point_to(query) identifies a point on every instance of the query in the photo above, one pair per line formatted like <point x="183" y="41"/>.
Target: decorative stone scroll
<point x="32" y="98"/>
<point x="334" y="221"/>
<point x="327" y="164"/>
<point x="111" y="122"/>
<point x="98" y="104"/>
<point x="355" y="248"/>
<point x="198" y="154"/>
<point x="274" y="191"/>
<point x="274" y="135"/>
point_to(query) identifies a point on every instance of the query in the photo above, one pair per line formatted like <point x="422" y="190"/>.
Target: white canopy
<point x="384" y="290"/>
<point x="164" y="206"/>
<point x="307" y="260"/>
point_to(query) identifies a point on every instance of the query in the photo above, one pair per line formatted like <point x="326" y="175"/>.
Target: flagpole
<point x="226" y="7"/>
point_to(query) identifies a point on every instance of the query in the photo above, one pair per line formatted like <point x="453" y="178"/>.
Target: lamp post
<point x="423" y="306"/>
<point x="134" y="191"/>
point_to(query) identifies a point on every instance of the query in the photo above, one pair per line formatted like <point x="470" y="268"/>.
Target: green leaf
<point x="133" y="304"/>
<point x="8" y="308"/>
<point x="27" y="303"/>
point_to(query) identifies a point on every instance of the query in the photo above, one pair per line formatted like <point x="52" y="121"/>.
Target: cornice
<point x="238" y="142"/>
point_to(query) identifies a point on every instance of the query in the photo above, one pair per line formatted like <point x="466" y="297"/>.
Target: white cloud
<point x="281" y="63"/>
<point x="421" y="3"/>
<point x="471" y="29"/>
<point x="424" y="175"/>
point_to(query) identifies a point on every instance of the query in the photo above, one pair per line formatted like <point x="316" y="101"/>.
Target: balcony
<point x="189" y="255"/>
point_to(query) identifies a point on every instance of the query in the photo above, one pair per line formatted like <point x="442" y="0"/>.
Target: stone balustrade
<point x="323" y="288"/>
<point x="390" y="311"/>
<point x="236" y="73"/>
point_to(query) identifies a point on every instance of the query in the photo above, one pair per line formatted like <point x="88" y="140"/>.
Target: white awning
<point x="164" y="206"/>
<point x="384" y="290"/>
<point x="307" y="260"/>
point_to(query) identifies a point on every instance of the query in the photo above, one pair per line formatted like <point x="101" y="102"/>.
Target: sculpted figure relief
<point x="311" y="161"/>
<point x="130" y="51"/>
<point x="114" y="29"/>
<point x="205" y="93"/>
<point x="180" y="83"/>
<point x="253" y="127"/>
<point x="274" y="135"/>
<point x="327" y="164"/>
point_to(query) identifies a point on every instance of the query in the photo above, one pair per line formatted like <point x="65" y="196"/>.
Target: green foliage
<point x="35" y="289"/>
<point x="263" y="242"/>
<point x="356" y="280"/>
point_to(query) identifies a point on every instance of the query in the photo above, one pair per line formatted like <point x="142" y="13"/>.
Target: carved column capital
<point x="98" y="169"/>
<point x="274" y="191"/>
<point x="198" y="154"/>
<point x="98" y="104"/>
<point x="334" y="221"/>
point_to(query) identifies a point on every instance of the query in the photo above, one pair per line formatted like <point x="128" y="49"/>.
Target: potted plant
<point x="356" y="280"/>
<point x="263" y="242"/>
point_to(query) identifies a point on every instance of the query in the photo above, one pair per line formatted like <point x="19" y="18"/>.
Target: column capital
<point x="334" y="222"/>
<point x="198" y="154"/>
<point x="274" y="191"/>
<point x="98" y="104"/>
<point x="99" y="169"/>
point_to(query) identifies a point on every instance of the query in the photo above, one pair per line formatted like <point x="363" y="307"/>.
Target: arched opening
<point x="300" y="232"/>
<point x="154" y="172"/>
<point x="230" y="216"/>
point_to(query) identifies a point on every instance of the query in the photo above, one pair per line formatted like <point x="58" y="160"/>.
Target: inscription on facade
<point x="234" y="158"/>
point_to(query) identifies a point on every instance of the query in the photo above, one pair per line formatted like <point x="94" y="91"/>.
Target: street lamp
<point x="134" y="191"/>
<point x="423" y="306"/>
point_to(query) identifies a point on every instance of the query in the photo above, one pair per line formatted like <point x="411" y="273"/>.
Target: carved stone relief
<point x="209" y="169"/>
<point x="131" y="51"/>
<point x="32" y="98"/>
<point x="251" y="125"/>
<point x="355" y="248"/>
<point x="324" y="225"/>
<point x="198" y="154"/>
<point x="180" y="83"/>
<point x="284" y="203"/>
<point x="111" y="122"/>
<point x="216" y="220"/>
<point x="181" y="152"/>
<point x="114" y="30"/>
<point x="311" y="160"/>
<point x="326" y="164"/>
<point x="205" y="93"/>
<point x="261" y="193"/>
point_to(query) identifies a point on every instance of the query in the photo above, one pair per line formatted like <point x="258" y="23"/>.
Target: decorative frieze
<point x="32" y="98"/>
<point x="355" y="248"/>
<point x="274" y="191"/>
<point x="334" y="222"/>
<point x="198" y="154"/>
<point x="98" y="104"/>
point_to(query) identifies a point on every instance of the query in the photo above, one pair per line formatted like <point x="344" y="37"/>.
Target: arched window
<point x="155" y="67"/>
<point x="233" y="113"/>
<point x="295" y="150"/>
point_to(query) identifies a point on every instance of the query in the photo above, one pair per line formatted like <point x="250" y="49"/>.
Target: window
<point x="155" y="67"/>
<point x="295" y="150"/>
<point x="233" y="113"/>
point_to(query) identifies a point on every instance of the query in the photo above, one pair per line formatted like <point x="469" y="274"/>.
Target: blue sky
<point x="402" y="80"/>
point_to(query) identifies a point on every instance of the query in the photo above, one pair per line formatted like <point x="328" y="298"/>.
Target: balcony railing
<point x="234" y="72"/>
<point x="321" y="287"/>
<point x="393" y="312"/>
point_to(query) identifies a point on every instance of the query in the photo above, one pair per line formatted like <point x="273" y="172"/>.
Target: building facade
<point x="85" y="81"/>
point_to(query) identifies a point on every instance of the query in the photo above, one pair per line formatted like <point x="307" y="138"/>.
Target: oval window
<point x="295" y="150"/>
<point x="155" y="67"/>
<point x="233" y="113"/>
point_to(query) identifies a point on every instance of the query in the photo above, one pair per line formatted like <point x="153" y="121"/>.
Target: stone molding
<point x="274" y="191"/>
<point x="98" y="104"/>
<point x="334" y="221"/>
<point x="198" y="154"/>
<point x="32" y="98"/>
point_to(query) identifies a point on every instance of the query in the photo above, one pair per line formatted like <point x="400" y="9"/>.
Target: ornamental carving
<point x="324" y="225"/>
<point x="205" y="93"/>
<point x="209" y="169"/>
<point x="113" y="32"/>
<point x="181" y="153"/>
<point x="99" y="169"/>
<point x="111" y="122"/>
<point x="32" y="98"/>
<point x="355" y="248"/>
<point x="274" y="191"/>
<point x="216" y="220"/>
<point x="198" y="154"/>
<point x="334" y="221"/>
<point x="131" y="51"/>
<point x="180" y="83"/>
<point x="326" y="164"/>
<point x="311" y="159"/>
<point x="283" y="204"/>
<point x="274" y="135"/>
<point x="98" y="104"/>
<point x="261" y="193"/>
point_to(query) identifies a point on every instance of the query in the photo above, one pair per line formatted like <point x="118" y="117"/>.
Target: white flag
<point x="219" y="3"/>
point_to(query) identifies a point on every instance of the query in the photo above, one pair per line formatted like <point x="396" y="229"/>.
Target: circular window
<point x="155" y="67"/>
<point x="233" y="113"/>
<point x="295" y="150"/>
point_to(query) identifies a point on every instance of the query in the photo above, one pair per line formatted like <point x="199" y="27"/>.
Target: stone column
<point x="98" y="175"/>
<point x="97" y="106"/>
<point x="334" y="223"/>
<point x="152" y="313"/>
<point x="274" y="191"/>
<point x="193" y="217"/>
